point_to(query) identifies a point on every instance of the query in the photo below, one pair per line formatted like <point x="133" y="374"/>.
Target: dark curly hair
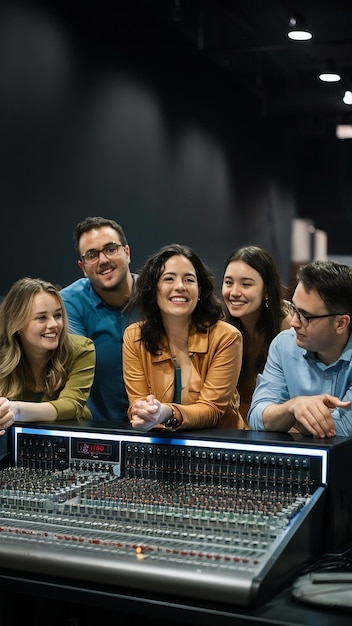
<point x="207" y="312"/>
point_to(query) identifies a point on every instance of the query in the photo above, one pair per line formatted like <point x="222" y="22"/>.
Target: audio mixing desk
<point x="231" y="515"/>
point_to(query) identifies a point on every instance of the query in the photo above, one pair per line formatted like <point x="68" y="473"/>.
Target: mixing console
<point x="188" y="515"/>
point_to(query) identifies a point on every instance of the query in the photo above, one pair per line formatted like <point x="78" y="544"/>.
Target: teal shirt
<point x="90" y="316"/>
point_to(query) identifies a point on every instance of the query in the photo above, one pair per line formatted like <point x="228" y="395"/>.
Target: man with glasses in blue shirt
<point x="95" y="307"/>
<point x="306" y="384"/>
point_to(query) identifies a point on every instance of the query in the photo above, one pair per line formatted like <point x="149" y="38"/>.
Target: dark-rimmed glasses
<point x="92" y="256"/>
<point x="304" y="318"/>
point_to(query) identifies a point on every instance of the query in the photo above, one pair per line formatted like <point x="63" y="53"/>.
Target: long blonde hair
<point x="15" y="372"/>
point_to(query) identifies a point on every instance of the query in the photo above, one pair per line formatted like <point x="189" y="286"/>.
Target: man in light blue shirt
<point x="307" y="380"/>
<point x="95" y="307"/>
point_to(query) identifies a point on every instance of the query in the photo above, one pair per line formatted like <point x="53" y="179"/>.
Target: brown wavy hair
<point x="207" y="312"/>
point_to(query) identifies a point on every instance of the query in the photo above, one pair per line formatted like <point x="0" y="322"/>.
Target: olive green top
<point x="71" y="399"/>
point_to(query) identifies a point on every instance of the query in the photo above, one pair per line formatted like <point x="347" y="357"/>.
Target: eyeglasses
<point x="92" y="256"/>
<point x="304" y="318"/>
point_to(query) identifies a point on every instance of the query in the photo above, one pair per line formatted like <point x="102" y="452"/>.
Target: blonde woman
<point x="46" y="373"/>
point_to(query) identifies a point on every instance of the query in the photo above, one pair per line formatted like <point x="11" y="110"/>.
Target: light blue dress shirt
<point x="292" y="371"/>
<point x="90" y="316"/>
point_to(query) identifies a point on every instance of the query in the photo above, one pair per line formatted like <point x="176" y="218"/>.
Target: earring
<point x="266" y="303"/>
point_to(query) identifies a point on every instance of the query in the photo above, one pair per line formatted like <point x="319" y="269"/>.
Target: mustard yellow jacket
<point x="211" y="399"/>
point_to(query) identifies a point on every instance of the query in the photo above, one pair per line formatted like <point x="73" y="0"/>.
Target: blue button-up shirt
<point x="90" y="316"/>
<point x="291" y="371"/>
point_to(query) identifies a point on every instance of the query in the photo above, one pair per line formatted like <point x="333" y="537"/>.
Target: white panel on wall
<point x="320" y="245"/>
<point x="302" y="232"/>
<point x="308" y="243"/>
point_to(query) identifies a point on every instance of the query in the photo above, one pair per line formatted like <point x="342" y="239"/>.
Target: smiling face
<point x="43" y="329"/>
<point x="177" y="288"/>
<point x="243" y="290"/>
<point x="106" y="274"/>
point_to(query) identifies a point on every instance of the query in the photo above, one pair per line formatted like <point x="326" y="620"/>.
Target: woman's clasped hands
<point x="148" y="413"/>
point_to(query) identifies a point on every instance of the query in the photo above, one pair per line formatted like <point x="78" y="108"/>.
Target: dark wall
<point x="103" y="113"/>
<point x="324" y="188"/>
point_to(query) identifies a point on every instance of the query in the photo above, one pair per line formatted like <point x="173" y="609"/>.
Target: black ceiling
<point x="247" y="40"/>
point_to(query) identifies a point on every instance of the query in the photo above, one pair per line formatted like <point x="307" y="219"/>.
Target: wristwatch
<point x="172" y="421"/>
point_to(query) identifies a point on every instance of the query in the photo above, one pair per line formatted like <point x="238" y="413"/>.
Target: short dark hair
<point x="208" y="310"/>
<point x="332" y="281"/>
<point x="97" y="222"/>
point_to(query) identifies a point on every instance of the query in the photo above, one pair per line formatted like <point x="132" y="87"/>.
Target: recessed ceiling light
<point x="330" y="77"/>
<point x="329" y="73"/>
<point x="347" y="98"/>
<point x="297" y="31"/>
<point x="299" y="35"/>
